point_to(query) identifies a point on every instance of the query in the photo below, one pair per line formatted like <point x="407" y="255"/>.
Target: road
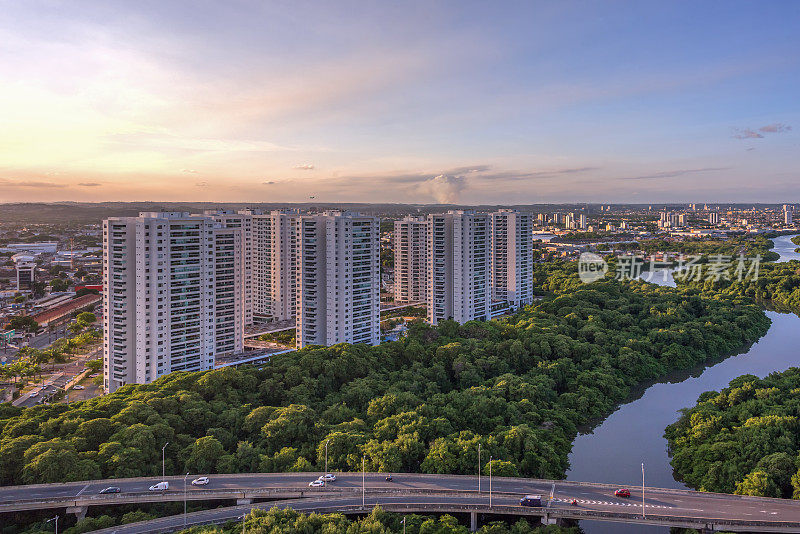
<point x="422" y="504"/>
<point x="591" y="497"/>
<point x="64" y="373"/>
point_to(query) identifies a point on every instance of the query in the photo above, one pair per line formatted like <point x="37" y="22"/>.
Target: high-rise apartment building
<point x="338" y="279"/>
<point x="788" y="215"/>
<point x="274" y="262"/>
<point x="173" y="295"/>
<point x="459" y="260"/>
<point x="582" y="221"/>
<point x="713" y="218"/>
<point x="410" y="260"/>
<point x="243" y="220"/>
<point x="512" y="257"/>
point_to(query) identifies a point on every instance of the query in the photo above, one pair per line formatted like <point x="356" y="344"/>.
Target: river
<point x="614" y="450"/>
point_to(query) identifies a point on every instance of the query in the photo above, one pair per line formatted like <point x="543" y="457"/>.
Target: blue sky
<point x="469" y="102"/>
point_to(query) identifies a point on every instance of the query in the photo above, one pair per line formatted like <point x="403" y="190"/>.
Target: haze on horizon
<point x="463" y="102"/>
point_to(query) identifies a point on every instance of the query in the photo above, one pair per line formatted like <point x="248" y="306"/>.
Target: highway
<point x="442" y="492"/>
<point x="429" y="504"/>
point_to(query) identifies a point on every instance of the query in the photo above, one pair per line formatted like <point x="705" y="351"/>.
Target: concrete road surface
<point x="589" y="496"/>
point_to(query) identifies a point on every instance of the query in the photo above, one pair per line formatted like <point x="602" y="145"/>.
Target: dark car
<point x="531" y="500"/>
<point x="622" y="492"/>
<point x="110" y="489"/>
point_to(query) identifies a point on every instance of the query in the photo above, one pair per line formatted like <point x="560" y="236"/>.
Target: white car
<point x="34" y="394"/>
<point x="78" y="387"/>
<point x="317" y="483"/>
<point x="328" y="477"/>
<point x="161" y="486"/>
<point x="202" y="481"/>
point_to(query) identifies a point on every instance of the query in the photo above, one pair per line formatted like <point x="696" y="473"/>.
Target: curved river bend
<point x="614" y="450"/>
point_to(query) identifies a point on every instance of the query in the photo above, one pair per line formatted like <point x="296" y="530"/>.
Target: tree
<point x="86" y="318"/>
<point x="204" y="454"/>
<point x="59" y="285"/>
<point x="86" y="291"/>
<point x="55" y="464"/>
<point x="38" y="289"/>
<point x="759" y="484"/>
<point x="23" y="322"/>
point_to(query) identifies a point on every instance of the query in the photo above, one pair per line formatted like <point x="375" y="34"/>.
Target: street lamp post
<point x="184" y="499"/>
<point x="363" y="484"/>
<point x="642" y="490"/>
<point x="244" y="515"/>
<point x="55" y="519"/>
<point x="404" y="524"/>
<point x="326" y="456"/>
<point x="163" y="469"/>
<point x="479" y="467"/>
<point x="490" y="481"/>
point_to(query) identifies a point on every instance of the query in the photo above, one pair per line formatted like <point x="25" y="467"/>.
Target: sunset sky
<point x="470" y="102"/>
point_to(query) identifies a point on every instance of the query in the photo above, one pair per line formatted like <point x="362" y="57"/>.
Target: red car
<point x="622" y="492"/>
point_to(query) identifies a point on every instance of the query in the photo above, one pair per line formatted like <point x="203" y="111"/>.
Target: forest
<point x="278" y="521"/>
<point x="747" y="245"/>
<point x="519" y="387"/>
<point x="777" y="285"/>
<point x="744" y="439"/>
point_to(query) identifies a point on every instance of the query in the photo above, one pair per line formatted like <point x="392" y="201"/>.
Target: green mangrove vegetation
<point x="519" y="387"/>
<point x="744" y="439"/>
<point x="278" y="521"/>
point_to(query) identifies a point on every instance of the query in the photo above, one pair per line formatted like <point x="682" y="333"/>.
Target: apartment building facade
<point x="244" y="221"/>
<point x="512" y="257"/>
<point x="173" y="295"/>
<point x="459" y="262"/>
<point x="410" y="260"/>
<point x="274" y="264"/>
<point x="338" y="279"/>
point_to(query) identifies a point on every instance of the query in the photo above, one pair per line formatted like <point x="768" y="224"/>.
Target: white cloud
<point x="445" y="188"/>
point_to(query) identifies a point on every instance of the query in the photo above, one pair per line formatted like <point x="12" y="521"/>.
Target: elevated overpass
<point x="419" y="493"/>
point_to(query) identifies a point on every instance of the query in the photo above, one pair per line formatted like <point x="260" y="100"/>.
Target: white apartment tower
<point x="788" y="215"/>
<point x="512" y="257"/>
<point x="274" y="264"/>
<point x="459" y="259"/>
<point x="410" y="260"/>
<point x="713" y="218"/>
<point x="338" y="279"/>
<point x="243" y="220"/>
<point x="173" y="295"/>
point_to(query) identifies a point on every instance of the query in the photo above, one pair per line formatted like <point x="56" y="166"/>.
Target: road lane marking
<point x="81" y="491"/>
<point x="609" y="503"/>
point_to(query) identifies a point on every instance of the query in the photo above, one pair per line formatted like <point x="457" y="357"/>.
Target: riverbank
<point x="614" y="450"/>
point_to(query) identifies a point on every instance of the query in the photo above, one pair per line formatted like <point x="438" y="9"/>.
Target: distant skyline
<point x="412" y="102"/>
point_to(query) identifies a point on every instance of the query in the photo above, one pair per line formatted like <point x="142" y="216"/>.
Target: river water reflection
<point x="614" y="450"/>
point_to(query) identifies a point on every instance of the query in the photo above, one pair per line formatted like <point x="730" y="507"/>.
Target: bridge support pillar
<point x="79" y="511"/>
<point x="244" y="501"/>
<point x="547" y="520"/>
<point x="473" y="521"/>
